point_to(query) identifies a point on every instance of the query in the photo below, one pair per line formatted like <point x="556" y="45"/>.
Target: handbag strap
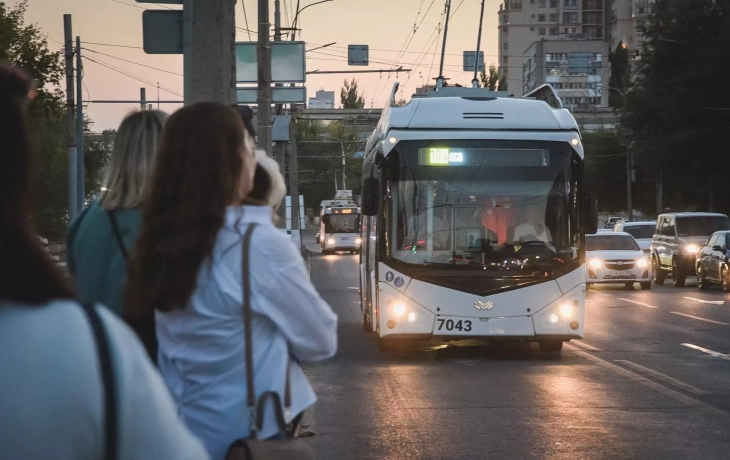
<point x="109" y="385"/>
<point x="117" y="233"/>
<point x="256" y="411"/>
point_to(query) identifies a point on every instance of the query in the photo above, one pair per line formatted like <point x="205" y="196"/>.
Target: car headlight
<point x="642" y="263"/>
<point x="358" y="241"/>
<point x="331" y="241"/>
<point x="595" y="263"/>
<point x="692" y="248"/>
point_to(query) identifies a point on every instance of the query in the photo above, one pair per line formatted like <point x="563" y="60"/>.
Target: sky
<point x="387" y="26"/>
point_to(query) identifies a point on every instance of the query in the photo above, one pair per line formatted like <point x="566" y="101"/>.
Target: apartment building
<point x="524" y="22"/>
<point x="626" y="20"/>
<point x="577" y="68"/>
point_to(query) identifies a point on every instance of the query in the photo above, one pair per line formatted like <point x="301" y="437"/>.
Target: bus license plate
<point x="619" y="273"/>
<point x="345" y="238"/>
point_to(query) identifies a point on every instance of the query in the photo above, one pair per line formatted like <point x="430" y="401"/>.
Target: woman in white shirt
<point x="187" y="266"/>
<point x="52" y="395"/>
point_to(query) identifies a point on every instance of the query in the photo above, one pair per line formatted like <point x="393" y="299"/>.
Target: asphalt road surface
<point x="650" y="380"/>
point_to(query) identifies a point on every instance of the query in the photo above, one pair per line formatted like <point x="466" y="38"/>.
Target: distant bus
<point x="475" y="213"/>
<point x="340" y="227"/>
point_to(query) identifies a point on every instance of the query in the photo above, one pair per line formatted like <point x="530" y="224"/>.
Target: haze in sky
<point x="387" y="26"/>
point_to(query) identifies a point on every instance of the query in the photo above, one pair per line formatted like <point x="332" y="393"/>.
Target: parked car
<point x="616" y="258"/>
<point x="612" y="221"/>
<point x="713" y="262"/>
<point x="677" y="240"/>
<point x="643" y="232"/>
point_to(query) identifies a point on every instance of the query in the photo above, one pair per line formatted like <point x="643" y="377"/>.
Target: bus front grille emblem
<point x="484" y="305"/>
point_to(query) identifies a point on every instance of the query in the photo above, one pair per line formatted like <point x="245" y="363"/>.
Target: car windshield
<point x="339" y="223"/>
<point x="701" y="225"/>
<point x="611" y="243"/>
<point x="641" y="231"/>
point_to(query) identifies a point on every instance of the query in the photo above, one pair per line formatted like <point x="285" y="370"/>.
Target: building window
<point x="505" y="19"/>
<point x="570" y="18"/>
<point x="504" y="45"/>
<point x="553" y="3"/>
<point x="515" y="4"/>
<point x="505" y="60"/>
<point x="541" y="4"/>
<point x="540" y="18"/>
<point x="553" y="31"/>
<point x="541" y="31"/>
<point x="598" y="57"/>
<point x="553" y="17"/>
<point x="572" y="4"/>
<point x="504" y="29"/>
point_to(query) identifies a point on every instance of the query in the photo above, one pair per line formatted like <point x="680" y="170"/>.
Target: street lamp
<point x="342" y="144"/>
<point x="296" y="16"/>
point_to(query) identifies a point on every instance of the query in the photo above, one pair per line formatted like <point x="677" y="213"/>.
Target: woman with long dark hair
<point x="187" y="264"/>
<point x="76" y="384"/>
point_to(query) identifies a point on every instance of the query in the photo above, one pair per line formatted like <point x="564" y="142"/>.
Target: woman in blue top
<point x="187" y="265"/>
<point x="101" y="237"/>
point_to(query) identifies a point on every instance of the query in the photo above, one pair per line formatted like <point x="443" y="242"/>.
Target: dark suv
<point x="677" y="240"/>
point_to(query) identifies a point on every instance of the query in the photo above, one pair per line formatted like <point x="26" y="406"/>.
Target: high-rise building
<point x="626" y="20"/>
<point x="322" y="100"/>
<point x="523" y="22"/>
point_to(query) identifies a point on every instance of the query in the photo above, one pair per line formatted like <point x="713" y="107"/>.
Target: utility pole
<point x="263" y="52"/>
<point x="279" y="152"/>
<point x="212" y="52"/>
<point x="70" y="118"/>
<point x="440" y="79"/>
<point x="187" y="48"/>
<point x="142" y="98"/>
<point x="660" y="193"/>
<point x="80" y="173"/>
<point x="475" y="81"/>
<point x="293" y="179"/>
<point x="629" y="178"/>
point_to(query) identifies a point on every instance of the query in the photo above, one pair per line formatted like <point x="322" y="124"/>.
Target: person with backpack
<point x="76" y="383"/>
<point x="228" y="287"/>
<point x="100" y="238"/>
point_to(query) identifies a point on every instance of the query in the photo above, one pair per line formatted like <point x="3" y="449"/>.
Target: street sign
<point x="279" y="95"/>
<point x="288" y="63"/>
<point x="162" y="31"/>
<point x="280" y="128"/>
<point x="168" y="2"/>
<point x="358" y="55"/>
<point x="469" y="60"/>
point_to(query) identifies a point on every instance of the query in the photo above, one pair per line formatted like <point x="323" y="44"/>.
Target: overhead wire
<point x="245" y="18"/>
<point x="130" y="75"/>
<point x="132" y="62"/>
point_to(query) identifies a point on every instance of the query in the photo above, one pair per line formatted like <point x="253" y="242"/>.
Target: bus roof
<point x="457" y="113"/>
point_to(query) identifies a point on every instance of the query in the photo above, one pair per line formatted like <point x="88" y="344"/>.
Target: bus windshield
<point x="342" y="223"/>
<point x="507" y="208"/>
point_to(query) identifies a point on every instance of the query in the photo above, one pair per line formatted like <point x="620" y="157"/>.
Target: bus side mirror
<point x="591" y="215"/>
<point x="370" y="196"/>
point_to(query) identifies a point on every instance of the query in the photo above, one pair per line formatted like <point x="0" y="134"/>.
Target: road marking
<point x="353" y="287"/>
<point x="638" y="303"/>
<point x="698" y="318"/>
<point x="601" y="293"/>
<point x="665" y="378"/>
<point x="677" y="396"/>
<point x="584" y="345"/>
<point x="713" y="302"/>
<point x="715" y="354"/>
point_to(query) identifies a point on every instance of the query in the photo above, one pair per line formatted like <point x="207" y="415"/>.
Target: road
<point x="650" y="380"/>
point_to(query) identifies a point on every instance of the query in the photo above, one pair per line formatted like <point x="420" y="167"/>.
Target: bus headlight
<point x="399" y="309"/>
<point x="554" y="318"/>
<point x="411" y="317"/>
<point x="692" y="248"/>
<point x="331" y="241"/>
<point x="566" y="310"/>
<point x="642" y="263"/>
<point x="358" y="241"/>
<point x="595" y="263"/>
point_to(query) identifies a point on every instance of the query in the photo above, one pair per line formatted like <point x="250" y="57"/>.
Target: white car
<point x="616" y="258"/>
<point x="643" y="232"/>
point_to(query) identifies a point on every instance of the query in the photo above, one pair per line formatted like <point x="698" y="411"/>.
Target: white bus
<point x="474" y="220"/>
<point x="339" y="226"/>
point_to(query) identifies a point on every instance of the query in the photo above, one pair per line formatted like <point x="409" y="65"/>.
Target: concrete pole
<point x="629" y="201"/>
<point x="293" y="175"/>
<point x="80" y="172"/>
<point x="263" y="52"/>
<point x="143" y="99"/>
<point x="187" y="48"/>
<point x="212" y="53"/>
<point x="70" y="118"/>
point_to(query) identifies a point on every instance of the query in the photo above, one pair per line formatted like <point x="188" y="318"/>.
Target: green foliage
<point x="620" y="75"/>
<point x="680" y="77"/>
<point x="492" y="80"/>
<point x="25" y="46"/>
<point x="349" y="96"/>
<point x="605" y="167"/>
<point x="502" y="84"/>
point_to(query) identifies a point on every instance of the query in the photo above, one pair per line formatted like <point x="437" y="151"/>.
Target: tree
<point x="680" y="77"/>
<point x="349" y="96"/>
<point x="502" y="84"/>
<point x="490" y="81"/>
<point x="605" y="163"/>
<point x="620" y="75"/>
<point x="25" y="46"/>
<point x="400" y="102"/>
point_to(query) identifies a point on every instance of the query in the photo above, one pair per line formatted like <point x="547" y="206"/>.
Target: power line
<point x="135" y="63"/>
<point x="130" y="75"/>
<point x="245" y="18"/>
<point x="113" y="45"/>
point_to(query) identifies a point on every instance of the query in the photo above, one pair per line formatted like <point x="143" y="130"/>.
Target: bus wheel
<point x="551" y="346"/>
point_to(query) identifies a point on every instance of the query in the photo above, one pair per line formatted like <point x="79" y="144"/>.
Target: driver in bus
<point x="533" y="227"/>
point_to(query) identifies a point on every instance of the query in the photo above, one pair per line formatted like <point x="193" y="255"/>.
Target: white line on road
<point x="698" y="318"/>
<point x="584" y="345"/>
<point x="663" y="377"/>
<point x="677" y="396"/>
<point x="638" y="303"/>
<point x="713" y="302"/>
<point x="601" y="293"/>
<point x="712" y="353"/>
<point x="353" y="287"/>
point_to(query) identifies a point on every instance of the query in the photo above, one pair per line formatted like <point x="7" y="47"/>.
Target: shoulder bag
<point x="253" y="448"/>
